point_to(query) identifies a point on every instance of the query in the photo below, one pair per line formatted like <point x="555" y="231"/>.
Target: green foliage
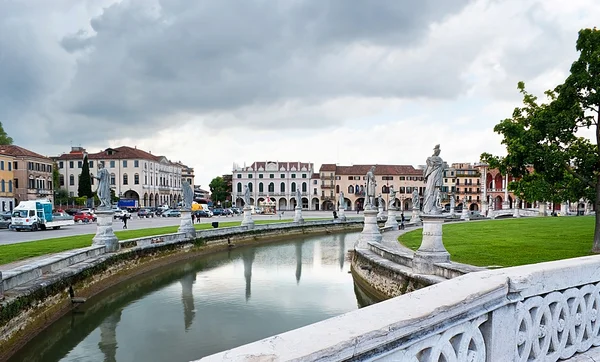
<point x="113" y="196"/>
<point x="513" y="242"/>
<point x="218" y="190"/>
<point x="55" y="177"/>
<point x="81" y="201"/>
<point x="61" y="197"/>
<point x="4" y="138"/>
<point x="544" y="151"/>
<point x="85" y="182"/>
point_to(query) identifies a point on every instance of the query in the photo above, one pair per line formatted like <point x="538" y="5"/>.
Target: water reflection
<point x="143" y="317"/>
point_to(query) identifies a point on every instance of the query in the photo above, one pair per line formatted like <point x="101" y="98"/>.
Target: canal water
<point x="195" y="308"/>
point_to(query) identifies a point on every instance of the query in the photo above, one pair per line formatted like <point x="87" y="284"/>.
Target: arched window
<point x="250" y="186"/>
<point x="125" y="179"/>
<point x="2" y="186"/>
<point x="350" y="189"/>
<point x="385" y="189"/>
<point x="282" y="187"/>
<point x="71" y="180"/>
<point x="136" y="179"/>
<point x="239" y="187"/>
<point x="304" y="186"/>
<point x="260" y="187"/>
<point x="357" y="189"/>
<point x="293" y="187"/>
<point x="10" y="186"/>
<point x="112" y="179"/>
<point x="271" y="187"/>
<point x="337" y="189"/>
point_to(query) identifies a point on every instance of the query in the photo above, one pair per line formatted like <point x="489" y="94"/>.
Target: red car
<point x="83" y="217"/>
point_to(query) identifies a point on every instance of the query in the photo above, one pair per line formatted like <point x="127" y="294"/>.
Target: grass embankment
<point x="14" y="252"/>
<point x="514" y="241"/>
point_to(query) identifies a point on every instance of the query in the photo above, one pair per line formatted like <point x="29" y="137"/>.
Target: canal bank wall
<point x="37" y="294"/>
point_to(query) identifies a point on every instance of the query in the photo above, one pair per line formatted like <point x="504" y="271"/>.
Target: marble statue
<point x="371" y="187"/>
<point x="298" y="198"/>
<point x="392" y="199"/>
<point x="415" y="199"/>
<point x="452" y="202"/>
<point x="246" y="196"/>
<point x="103" y="190"/>
<point x="188" y="195"/>
<point x="433" y="174"/>
<point x="380" y="201"/>
<point x="342" y="201"/>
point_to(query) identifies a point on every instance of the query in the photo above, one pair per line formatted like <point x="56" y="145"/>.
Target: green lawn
<point x="13" y="252"/>
<point x="514" y="242"/>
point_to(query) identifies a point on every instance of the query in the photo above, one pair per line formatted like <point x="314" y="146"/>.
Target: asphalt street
<point x="12" y="237"/>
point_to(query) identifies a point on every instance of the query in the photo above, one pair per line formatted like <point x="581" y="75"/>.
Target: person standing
<point x="124" y="218"/>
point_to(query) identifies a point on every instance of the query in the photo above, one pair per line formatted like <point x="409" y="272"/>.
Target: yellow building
<point x="7" y="198"/>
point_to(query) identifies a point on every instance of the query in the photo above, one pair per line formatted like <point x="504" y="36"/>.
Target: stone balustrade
<point x="539" y="312"/>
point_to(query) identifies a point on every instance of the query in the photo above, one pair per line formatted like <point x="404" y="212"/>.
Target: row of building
<point x="134" y="174"/>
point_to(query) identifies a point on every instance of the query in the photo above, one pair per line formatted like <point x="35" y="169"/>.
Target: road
<point x="13" y="237"/>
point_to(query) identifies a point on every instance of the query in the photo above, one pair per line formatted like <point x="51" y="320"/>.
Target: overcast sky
<point x="210" y="83"/>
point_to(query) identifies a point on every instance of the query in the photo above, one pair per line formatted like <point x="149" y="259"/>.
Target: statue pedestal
<point x="465" y="215"/>
<point x="247" y="220"/>
<point x="432" y="248"/>
<point x="370" y="230"/>
<point x="517" y="214"/>
<point x="391" y="219"/>
<point x="186" y="225"/>
<point x="505" y="205"/>
<point x="452" y="211"/>
<point x="298" y="215"/>
<point x="380" y="214"/>
<point x="105" y="234"/>
<point x="542" y="209"/>
<point x="415" y="216"/>
<point x="341" y="214"/>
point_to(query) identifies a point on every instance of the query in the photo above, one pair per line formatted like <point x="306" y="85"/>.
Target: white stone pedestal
<point x="341" y="215"/>
<point x="464" y="215"/>
<point x="105" y="234"/>
<point x="298" y="215"/>
<point x="564" y="209"/>
<point x="542" y="209"/>
<point x="484" y="208"/>
<point x="247" y="220"/>
<point x="186" y="225"/>
<point x="391" y="219"/>
<point x="380" y="212"/>
<point x="415" y="216"/>
<point x="505" y="205"/>
<point x="370" y="230"/>
<point x="432" y="248"/>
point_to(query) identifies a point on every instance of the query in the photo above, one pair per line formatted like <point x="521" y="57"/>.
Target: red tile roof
<point x="120" y="153"/>
<point x="328" y="167"/>
<point x="287" y="166"/>
<point x="16" y="151"/>
<point x="379" y="169"/>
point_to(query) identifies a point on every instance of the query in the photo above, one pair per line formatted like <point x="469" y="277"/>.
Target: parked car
<point x="119" y="213"/>
<point x="227" y="212"/>
<point x="217" y="212"/>
<point x="236" y="210"/>
<point x="88" y="210"/>
<point x="202" y="213"/>
<point x="71" y="211"/>
<point x="84" y="217"/>
<point x="145" y="213"/>
<point x="5" y="220"/>
<point x="171" y="213"/>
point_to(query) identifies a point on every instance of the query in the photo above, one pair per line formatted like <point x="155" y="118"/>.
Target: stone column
<point x="105" y="234"/>
<point x="370" y="231"/>
<point x="341" y="214"/>
<point x="391" y="219"/>
<point x="452" y="205"/>
<point x="186" y="226"/>
<point x="564" y="209"/>
<point x="542" y="209"/>
<point x="517" y="214"/>
<point x="298" y="215"/>
<point x="432" y="248"/>
<point x="247" y="220"/>
<point x="505" y="203"/>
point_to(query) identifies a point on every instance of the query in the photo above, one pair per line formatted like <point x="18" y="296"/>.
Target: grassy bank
<point x="514" y="241"/>
<point x="14" y="252"/>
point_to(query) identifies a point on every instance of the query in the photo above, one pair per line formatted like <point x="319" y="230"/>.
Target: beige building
<point x="134" y="174"/>
<point x="32" y="174"/>
<point x="7" y="197"/>
<point x="352" y="181"/>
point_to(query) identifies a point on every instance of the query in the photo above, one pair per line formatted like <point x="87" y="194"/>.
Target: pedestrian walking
<point x="124" y="218"/>
<point x="402" y="221"/>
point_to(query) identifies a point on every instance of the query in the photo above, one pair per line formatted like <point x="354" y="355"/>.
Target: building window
<point x="350" y="189"/>
<point x="124" y="163"/>
<point x="239" y="187"/>
<point x="16" y="183"/>
<point x="303" y="175"/>
<point x="239" y="175"/>
<point x="72" y="180"/>
<point x="112" y="179"/>
<point x="249" y="175"/>
<point x="260" y="187"/>
<point x="15" y="166"/>
<point x="91" y="164"/>
<point x="112" y="164"/>
<point x="61" y="180"/>
<point x="71" y="164"/>
<point x="282" y="175"/>
<point x="314" y="182"/>
<point x="304" y="187"/>
<point x="136" y="179"/>
<point x="250" y="186"/>
<point x="293" y="187"/>
<point x="2" y="186"/>
<point x="125" y="179"/>
<point x="10" y="185"/>
<point x="260" y="175"/>
<point x="293" y="175"/>
<point x="271" y="175"/>
<point x="136" y="163"/>
<point x="271" y="187"/>
<point x="1" y="165"/>
<point x="282" y="187"/>
<point x="79" y="164"/>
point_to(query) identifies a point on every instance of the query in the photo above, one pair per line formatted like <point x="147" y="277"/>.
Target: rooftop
<point x="16" y="151"/>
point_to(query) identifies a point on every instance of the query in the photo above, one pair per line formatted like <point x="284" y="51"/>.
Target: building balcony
<point x="327" y="186"/>
<point x="327" y="198"/>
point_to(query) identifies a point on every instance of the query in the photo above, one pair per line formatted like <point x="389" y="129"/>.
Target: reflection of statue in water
<point x="392" y="200"/>
<point x="188" y="195"/>
<point x="415" y="199"/>
<point x="187" y="298"/>
<point x="342" y="201"/>
<point x="248" y="259"/>
<point x="246" y="196"/>
<point x="108" y="336"/>
<point x="298" y="261"/>
<point x="433" y="175"/>
<point x="371" y="189"/>
<point x="103" y="190"/>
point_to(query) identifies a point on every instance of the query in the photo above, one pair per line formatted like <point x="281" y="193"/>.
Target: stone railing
<point x="540" y="312"/>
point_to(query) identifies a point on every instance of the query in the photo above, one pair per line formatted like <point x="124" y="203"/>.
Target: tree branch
<point x="578" y="175"/>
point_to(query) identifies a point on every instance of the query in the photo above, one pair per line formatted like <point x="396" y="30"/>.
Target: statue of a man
<point x="380" y="201"/>
<point x="246" y="196"/>
<point x="433" y="174"/>
<point x="415" y="199"/>
<point x="298" y="198"/>
<point x="103" y="190"/>
<point x="371" y="188"/>
<point x="392" y="200"/>
<point x="188" y="195"/>
<point x="342" y="201"/>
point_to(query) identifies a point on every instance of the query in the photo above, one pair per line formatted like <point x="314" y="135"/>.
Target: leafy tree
<point x="4" y="139"/>
<point x="218" y="190"/>
<point x="544" y="149"/>
<point x="85" y="183"/>
<point x="55" y="177"/>
<point x="61" y="197"/>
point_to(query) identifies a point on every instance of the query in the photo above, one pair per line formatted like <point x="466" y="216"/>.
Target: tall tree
<point x="4" y="139"/>
<point x="85" y="182"/>
<point x="218" y="190"/>
<point x="544" y="147"/>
